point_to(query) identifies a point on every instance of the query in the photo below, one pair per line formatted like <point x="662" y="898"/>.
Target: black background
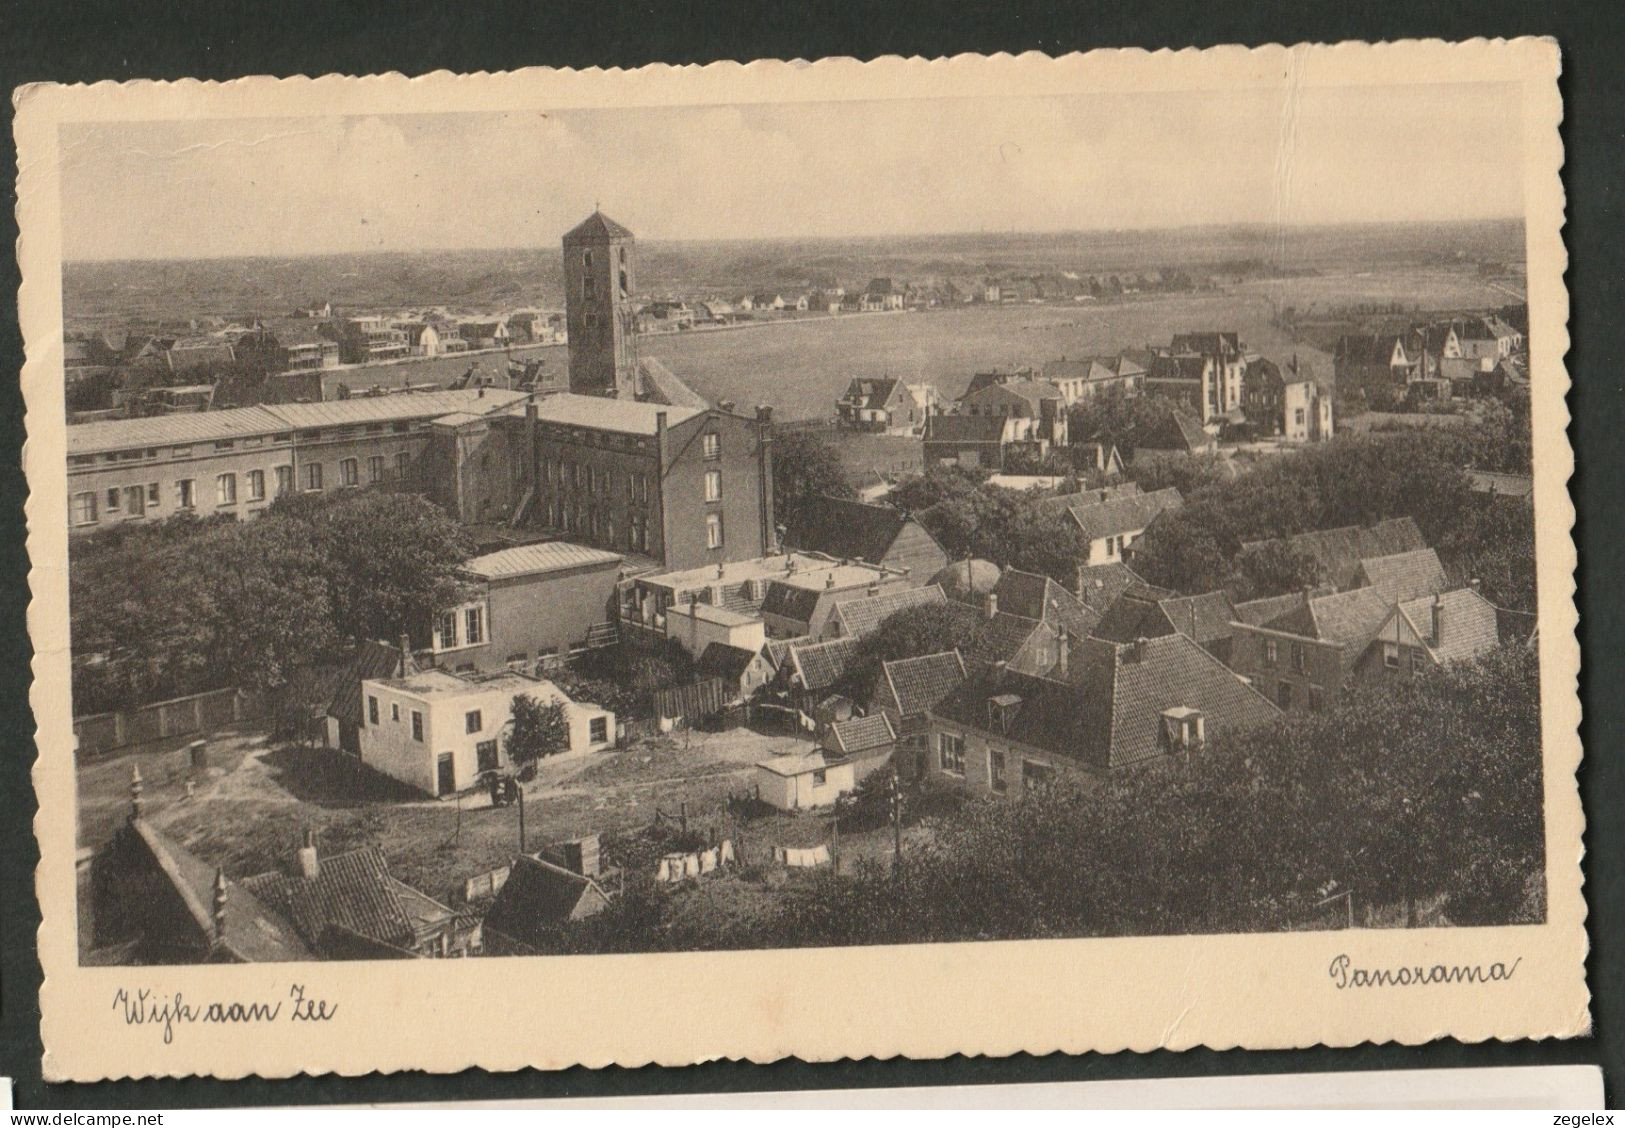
<point x="124" y="39"/>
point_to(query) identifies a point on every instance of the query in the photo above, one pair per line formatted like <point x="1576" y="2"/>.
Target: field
<point x="250" y="812"/>
<point x="800" y="365"/>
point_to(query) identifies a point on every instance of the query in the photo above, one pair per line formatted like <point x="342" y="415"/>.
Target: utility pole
<point x="521" y="789"/>
<point x="896" y="819"/>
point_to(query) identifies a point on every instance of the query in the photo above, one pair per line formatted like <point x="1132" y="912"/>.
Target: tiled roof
<point x="1403" y="576"/>
<point x="352" y="890"/>
<point x="872" y="394"/>
<point x="1039" y="597"/>
<point x="862" y="734"/>
<point x="1108" y="714"/>
<point x="964" y="428"/>
<point x="254" y="931"/>
<point x="1366" y="348"/>
<point x="537" y="897"/>
<point x="916" y="684"/>
<point x="1101" y="584"/>
<point x="371" y="660"/>
<point x="819" y="665"/>
<point x="790" y="601"/>
<point x="862" y="616"/>
<point x="722" y="660"/>
<point x="1205" y="618"/>
<point x="1220" y="343"/>
<point x="603" y="414"/>
<point x="846" y="529"/>
<point x="1124" y="514"/>
<point x="595" y="227"/>
<point x="1350" y="617"/>
<point x="1257" y="612"/>
<point x="1339" y="551"/>
<point x="1001" y="638"/>
<point x="532" y="559"/>
<point x="1468" y="624"/>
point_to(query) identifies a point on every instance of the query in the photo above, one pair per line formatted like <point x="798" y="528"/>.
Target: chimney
<point x="726" y="405"/>
<point x="137" y="805"/>
<point x="481" y="393"/>
<point x="406" y="655"/>
<point x="1438" y="620"/>
<point x="720" y="571"/>
<point x="829" y="578"/>
<point x="990" y="605"/>
<point x="874" y="588"/>
<point x="219" y="906"/>
<point x="764" y="413"/>
<point x="1136" y="651"/>
<point x="1063" y="659"/>
<point x="1080" y="586"/>
<point x="310" y="866"/>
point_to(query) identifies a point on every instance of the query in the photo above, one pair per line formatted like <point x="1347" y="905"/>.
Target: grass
<point x="252" y="808"/>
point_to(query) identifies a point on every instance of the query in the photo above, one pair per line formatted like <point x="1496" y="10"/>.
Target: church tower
<point x="598" y="308"/>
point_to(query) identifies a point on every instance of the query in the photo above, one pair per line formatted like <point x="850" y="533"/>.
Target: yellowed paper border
<point x="920" y="1001"/>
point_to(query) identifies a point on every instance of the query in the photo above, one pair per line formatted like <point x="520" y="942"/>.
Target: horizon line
<point x="964" y="233"/>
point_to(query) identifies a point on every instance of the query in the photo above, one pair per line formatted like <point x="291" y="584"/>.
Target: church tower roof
<point x="596" y="227"/>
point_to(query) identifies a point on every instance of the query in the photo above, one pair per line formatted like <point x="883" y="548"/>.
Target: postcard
<point x="821" y="560"/>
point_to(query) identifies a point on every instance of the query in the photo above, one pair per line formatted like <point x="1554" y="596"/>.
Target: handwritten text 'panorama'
<point x="145" y="1007"/>
<point x="1345" y="975"/>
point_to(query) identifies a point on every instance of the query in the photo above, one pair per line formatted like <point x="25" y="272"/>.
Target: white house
<point x="437" y="732"/>
<point x="799" y="781"/>
<point x="695" y="626"/>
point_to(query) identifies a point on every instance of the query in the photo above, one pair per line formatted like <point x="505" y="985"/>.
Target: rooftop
<point x="603" y="414"/>
<point x="738" y="571"/>
<point x="535" y="559"/>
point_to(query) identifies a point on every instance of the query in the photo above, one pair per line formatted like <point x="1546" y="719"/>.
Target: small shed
<point x="800" y="781"/>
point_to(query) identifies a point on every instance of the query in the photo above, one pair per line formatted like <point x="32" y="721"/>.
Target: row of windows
<point x="1272" y="654"/>
<point x="460" y="628"/>
<point x="951" y="759"/>
<point x="594" y="480"/>
<point x="249" y="441"/>
<point x="89" y="506"/>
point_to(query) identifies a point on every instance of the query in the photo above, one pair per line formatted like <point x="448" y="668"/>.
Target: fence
<point x="689" y="703"/>
<point x="100" y="733"/>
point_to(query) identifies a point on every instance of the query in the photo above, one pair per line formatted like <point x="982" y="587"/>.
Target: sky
<point x="284" y="187"/>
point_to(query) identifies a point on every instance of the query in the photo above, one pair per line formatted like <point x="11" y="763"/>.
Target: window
<point x="472" y="721"/>
<point x="403" y="462"/>
<point x="713" y="485"/>
<point x="256" y="485"/>
<point x="417" y="726"/>
<point x="1298" y="657"/>
<point x="995" y="770"/>
<point x="152" y="495"/>
<point x="186" y="493"/>
<point x="1283" y="695"/>
<point x="820" y="775"/>
<point x="1418" y="662"/>
<point x="448" y="630"/>
<point x="1272" y="652"/>
<point x="1036" y="777"/>
<point x="115" y="499"/>
<point x="349" y="472"/>
<point x="135" y="500"/>
<point x="225" y="489"/>
<point x="284" y="480"/>
<point x="1390" y="655"/>
<point x="372" y="709"/>
<point x="375" y="469"/>
<point x="1298" y="416"/>
<point x="711" y="446"/>
<point x="84" y="509"/>
<point x="313" y="477"/>
<point x="485" y="755"/>
<point x="598" y="730"/>
<point x="395" y="711"/>
<point x="713" y="530"/>
<point x="951" y="753"/>
<point x="474" y="620"/>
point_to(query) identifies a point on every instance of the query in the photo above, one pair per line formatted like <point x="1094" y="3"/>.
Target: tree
<point x="389" y="560"/>
<point x="539" y="729"/>
<point x="1276" y="567"/>
<point x="804" y="468"/>
<point x="929" y="628"/>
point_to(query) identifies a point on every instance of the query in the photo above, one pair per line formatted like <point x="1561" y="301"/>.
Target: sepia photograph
<point x="636" y="526"/>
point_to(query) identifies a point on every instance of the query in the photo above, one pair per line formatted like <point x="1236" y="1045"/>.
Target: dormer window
<point x="1182" y="729"/>
<point x="1001" y="712"/>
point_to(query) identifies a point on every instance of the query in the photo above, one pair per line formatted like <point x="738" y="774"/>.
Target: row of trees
<point x="1429" y="793"/>
<point x="191" y="604"/>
